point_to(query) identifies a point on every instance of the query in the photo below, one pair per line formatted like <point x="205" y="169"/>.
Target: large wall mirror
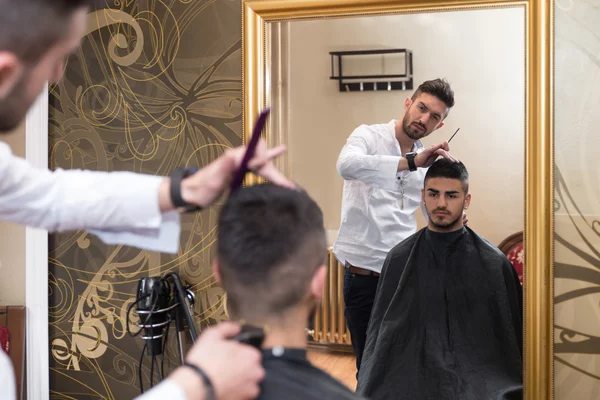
<point x="486" y="71"/>
<point x="497" y="56"/>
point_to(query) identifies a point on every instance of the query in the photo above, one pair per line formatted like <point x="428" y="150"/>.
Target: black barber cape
<point x="446" y="323"/>
<point x="290" y="376"/>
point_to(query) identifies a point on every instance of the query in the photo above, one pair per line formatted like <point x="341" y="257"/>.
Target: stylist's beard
<point x="411" y="131"/>
<point x="14" y="108"/>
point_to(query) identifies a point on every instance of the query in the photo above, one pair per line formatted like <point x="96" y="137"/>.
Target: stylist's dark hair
<point x="271" y="241"/>
<point x="29" y="28"/>
<point x="439" y="88"/>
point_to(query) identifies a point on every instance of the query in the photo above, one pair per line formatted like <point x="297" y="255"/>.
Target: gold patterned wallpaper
<point x="155" y="85"/>
<point x="577" y="201"/>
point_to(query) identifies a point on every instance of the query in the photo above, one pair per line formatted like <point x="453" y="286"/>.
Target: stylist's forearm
<point x="164" y="196"/>
<point x="402" y="164"/>
<point x="198" y="189"/>
<point x="189" y="382"/>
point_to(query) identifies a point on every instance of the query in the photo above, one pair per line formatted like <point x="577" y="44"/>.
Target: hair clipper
<point x="251" y="335"/>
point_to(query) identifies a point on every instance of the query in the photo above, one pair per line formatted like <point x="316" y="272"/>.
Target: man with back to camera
<point x="447" y="319"/>
<point x="271" y="261"/>
<point x="140" y="210"/>
<point x="383" y="167"/>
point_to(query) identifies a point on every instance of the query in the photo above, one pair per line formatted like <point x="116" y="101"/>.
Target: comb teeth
<point x="453" y="135"/>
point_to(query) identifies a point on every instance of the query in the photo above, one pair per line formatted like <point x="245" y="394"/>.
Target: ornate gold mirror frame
<point x="539" y="155"/>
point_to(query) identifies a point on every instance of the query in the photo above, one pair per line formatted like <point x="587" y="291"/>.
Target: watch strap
<point x="175" y="188"/>
<point x="410" y="158"/>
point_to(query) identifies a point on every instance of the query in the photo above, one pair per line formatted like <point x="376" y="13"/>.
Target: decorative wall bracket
<point x="398" y="80"/>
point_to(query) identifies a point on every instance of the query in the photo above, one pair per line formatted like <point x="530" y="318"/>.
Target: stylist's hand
<point x="209" y="183"/>
<point x="234" y="369"/>
<point x="429" y="155"/>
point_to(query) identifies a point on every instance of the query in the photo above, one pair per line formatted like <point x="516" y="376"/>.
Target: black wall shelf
<point x="403" y="80"/>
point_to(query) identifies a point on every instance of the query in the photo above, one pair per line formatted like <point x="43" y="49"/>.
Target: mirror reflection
<point x="426" y="244"/>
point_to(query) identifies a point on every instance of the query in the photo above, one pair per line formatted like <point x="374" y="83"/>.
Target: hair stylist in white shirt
<point x="36" y="36"/>
<point x="383" y="167"/>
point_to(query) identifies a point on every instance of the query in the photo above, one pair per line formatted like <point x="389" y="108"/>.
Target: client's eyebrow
<point x="435" y="191"/>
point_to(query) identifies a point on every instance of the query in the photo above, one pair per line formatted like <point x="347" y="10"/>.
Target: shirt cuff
<point x="141" y="201"/>
<point x="388" y="165"/>
<point x="164" y="238"/>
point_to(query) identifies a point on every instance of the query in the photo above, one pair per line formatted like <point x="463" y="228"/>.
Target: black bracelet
<point x="210" y="391"/>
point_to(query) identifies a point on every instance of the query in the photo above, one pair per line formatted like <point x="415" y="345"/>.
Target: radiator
<point x="330" y="323"/>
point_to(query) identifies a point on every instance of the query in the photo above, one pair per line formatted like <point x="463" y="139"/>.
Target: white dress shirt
<point x="8" y="388"/>
<point x="378" y="202"/>
<point x="118" y="207"/>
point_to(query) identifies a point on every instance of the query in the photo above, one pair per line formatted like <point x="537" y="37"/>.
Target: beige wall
<point x="12" y="244"/>
<point x="485" y="68"/>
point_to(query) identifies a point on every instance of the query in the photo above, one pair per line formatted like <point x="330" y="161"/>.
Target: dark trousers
<point x="359" y="294"/>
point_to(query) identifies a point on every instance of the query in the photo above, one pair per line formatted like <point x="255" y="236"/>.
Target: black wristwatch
<point x="410" y="158"/>
<point x="176" y="177"/>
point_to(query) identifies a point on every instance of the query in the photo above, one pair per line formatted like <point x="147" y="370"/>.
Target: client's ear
<point x="10" y="72"/>
<point x="317" y="282"/>
<point x="467" y="201"/>
<point x="217" y="271"/>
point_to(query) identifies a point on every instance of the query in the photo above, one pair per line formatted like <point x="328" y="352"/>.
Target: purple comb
<point x="238" y="178"/>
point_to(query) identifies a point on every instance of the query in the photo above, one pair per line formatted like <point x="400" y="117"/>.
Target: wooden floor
<point x="341" y="366"/>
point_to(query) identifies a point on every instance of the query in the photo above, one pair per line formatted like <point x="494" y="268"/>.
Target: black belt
<point x="360" y="271"/>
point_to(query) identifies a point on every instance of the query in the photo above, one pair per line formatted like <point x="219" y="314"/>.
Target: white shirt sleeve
<point x="167" y="389"/>
<point x="8" y="386"/>
<point x="119" y="207"/>
<point x="357" y="161"/>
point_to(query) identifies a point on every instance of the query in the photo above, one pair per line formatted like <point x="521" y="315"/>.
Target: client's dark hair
<point x="31" y="27"/>
<point x="444" y="168"/>
<point x="271" y="241"/>
<point x="439" y="88"/>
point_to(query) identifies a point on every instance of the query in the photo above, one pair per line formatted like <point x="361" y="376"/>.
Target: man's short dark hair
<point x="444" y="168"/>
<point x="271" y="240"/>
<point x="29" y="28"/>
<point x="439" y="88"/>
